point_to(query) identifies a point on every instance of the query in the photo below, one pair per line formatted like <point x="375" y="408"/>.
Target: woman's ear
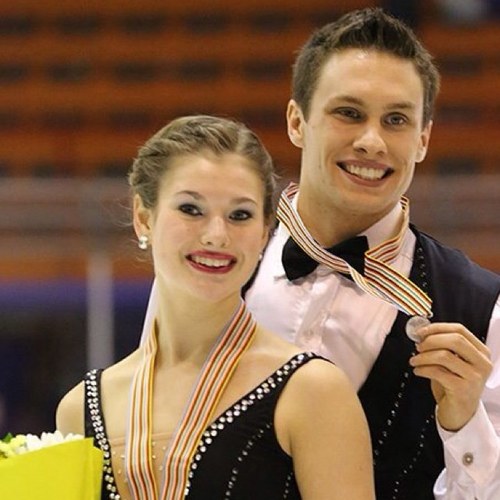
<point x="265" y="238"/>
<point x="295" y="120"/>
<point x="142" y="218"/>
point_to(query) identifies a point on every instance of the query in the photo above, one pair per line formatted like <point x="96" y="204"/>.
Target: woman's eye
<point x="189" y="209"/>
<point x="240" y="215"/>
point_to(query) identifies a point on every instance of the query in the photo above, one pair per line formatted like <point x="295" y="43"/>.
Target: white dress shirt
<point x="327" y="313"/>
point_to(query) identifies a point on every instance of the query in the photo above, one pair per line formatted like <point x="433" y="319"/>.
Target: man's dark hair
<point x="370" y="28"/>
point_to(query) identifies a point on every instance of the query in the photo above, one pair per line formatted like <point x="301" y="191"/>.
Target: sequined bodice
<point x="238" y="457"/>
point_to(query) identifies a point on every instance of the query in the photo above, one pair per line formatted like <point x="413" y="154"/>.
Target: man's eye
<point x="348" y="113"/>
<point x="396" y="120"/>
<point x="189" y="209"/>
<point x="241" y="215"/>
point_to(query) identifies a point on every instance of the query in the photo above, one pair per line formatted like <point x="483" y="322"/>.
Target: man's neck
<point x="329" y="228"/>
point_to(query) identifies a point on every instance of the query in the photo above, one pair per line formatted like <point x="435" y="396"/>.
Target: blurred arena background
<point x="84" y="83"/>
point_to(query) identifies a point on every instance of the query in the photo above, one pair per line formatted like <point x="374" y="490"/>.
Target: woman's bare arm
<point x="320" y="422"/>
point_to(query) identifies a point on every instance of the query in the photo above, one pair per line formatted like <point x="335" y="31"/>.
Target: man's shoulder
<point x="461" y="290"/>
<point x="452" y="261"/>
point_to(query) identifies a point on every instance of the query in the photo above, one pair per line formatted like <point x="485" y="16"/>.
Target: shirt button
<point x="468" y="458"/>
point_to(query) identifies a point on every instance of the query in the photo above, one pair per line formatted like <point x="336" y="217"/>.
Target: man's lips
<point x="366" y="171"/>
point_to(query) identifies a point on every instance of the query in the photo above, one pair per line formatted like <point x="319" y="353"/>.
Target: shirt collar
<point x="382" y="230"/>
<point x="385" y="228"/>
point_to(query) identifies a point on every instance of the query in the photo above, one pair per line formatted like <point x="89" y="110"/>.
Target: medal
<point x="414" y="324"/>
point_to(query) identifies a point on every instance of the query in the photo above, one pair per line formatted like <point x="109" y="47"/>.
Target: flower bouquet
<point x="50" y="467"/>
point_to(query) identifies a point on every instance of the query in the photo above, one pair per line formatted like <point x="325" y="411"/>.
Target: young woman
<point x="212" y="406"/>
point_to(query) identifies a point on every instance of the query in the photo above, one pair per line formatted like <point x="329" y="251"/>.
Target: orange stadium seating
<point x="86" y="83"/>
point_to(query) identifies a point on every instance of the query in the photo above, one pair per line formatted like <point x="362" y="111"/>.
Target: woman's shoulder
<point x="317" y="404"/>
<point x="317" y="385"/>
<point x="269" y="343"/>
<point x="320" y="374"/>
<point x="122" y="369"/>
<point x="70" y="411"/>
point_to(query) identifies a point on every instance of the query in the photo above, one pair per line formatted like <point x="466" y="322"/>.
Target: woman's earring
<point x="143" y="242"/>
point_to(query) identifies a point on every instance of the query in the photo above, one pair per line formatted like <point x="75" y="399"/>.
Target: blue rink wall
<point x="43" y="329"/>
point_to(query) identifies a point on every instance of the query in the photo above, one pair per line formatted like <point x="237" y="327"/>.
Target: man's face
<point x="363" y="135"/>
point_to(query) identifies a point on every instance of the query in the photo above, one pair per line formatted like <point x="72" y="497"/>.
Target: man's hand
<point x="458" y="365"/>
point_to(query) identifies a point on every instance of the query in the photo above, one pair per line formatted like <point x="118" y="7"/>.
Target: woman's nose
<point x="215" y="233"/>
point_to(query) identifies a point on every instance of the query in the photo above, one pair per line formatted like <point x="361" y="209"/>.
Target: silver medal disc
<point x="414" y="324"/>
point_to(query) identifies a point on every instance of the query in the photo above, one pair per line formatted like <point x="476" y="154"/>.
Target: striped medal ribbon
<point x="214" y="376"/>
<point x="379" y="279"/>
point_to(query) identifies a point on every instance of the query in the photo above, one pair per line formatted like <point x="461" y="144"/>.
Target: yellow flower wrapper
<point x="71" y="470"/>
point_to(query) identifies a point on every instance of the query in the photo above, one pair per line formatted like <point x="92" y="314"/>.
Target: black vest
<point x="408" y="453"/>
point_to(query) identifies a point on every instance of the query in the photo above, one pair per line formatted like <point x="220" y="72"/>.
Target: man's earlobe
<point x="294" y="120"/>
<point x="421" y="153"/>
<point x="424" y="143"/>
<point x="295" y="140"/>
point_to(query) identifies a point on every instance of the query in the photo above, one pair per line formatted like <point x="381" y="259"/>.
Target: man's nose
<point x="370" y="140"/>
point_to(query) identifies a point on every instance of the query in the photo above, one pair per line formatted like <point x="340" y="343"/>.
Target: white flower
<point x="12" y="447"/>
<point x="24" y="443"/>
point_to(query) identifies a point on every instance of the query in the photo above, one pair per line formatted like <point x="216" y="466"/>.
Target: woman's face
<point x="208" y="228"/>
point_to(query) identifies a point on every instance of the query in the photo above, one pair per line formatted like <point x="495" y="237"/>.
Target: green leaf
<point x="7" y="438"/>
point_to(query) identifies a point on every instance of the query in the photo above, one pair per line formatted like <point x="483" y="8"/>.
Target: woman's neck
<point x="188" y="330"/>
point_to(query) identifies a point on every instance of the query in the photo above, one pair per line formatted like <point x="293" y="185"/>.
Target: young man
<point x="361" y="112"/>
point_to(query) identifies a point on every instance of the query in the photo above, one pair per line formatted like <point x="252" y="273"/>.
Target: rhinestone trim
<point x="238" y="409"/>
<point x="228" y="417"/>
<point x="93" y="403"/>
<point x="424" y="283"/>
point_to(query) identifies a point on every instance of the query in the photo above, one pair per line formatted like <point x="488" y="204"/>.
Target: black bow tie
<point x="297" y="263"/>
